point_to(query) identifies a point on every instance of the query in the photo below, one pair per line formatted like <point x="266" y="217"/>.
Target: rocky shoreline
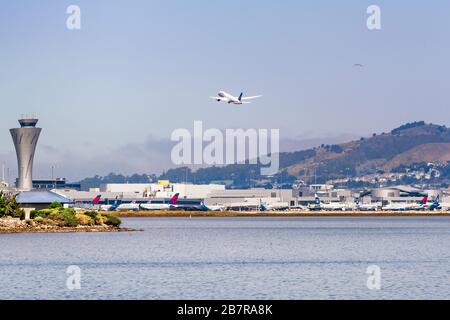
<point x="15" y="225"/>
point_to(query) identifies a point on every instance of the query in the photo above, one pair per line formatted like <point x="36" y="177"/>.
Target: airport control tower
<point x="25" y="139"/>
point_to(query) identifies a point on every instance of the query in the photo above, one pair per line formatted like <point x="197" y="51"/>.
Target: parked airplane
<point x="93" y="205"/>
<point x="422" y="205"/>
<point x="213" y="207"/>
<point x="337" y="206"/>
<point x="367" y="206"/>
<point x="107" y="207"/>
<point x="97" y="199"/>
<point x="273" y="207"/>
<point x="445" y="206"/>
<point x="299" y="208"/>
<point x="110" y="207"/>
<point x="226" y="97"/>
<point x="436" y="205"/>
<point x="133" y="206"/>
<point x="161" y="204"/>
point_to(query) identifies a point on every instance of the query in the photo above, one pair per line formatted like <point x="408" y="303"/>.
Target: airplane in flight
<point x="226" y="97"/>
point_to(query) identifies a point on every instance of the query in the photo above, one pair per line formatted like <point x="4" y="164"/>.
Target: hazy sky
<point x="109" y="95"/>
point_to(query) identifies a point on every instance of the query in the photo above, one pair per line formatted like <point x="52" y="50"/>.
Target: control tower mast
<point x="25" y="140"/>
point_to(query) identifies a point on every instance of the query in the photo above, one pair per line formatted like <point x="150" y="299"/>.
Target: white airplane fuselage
<point x="369" y="207"/>
<point x="403" y="207"/>
<point x="106" y="207"/>
<point x="128" y="207"/>
<point x="335" y="206"/>
<point x="215" y="208"/>
<point x="228" y="98"/>
<point x="157" y="206"/>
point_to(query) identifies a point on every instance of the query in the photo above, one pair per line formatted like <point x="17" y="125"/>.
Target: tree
<point x="13" y="208"/>
<point x="2" y="204"/>
<point x="10" y="207"/>
<point x="55" y="205"/>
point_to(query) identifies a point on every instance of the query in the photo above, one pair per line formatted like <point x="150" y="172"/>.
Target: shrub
<point x="113" y="221"/>
<point x="55" y="205"/>
<point x="40" y="213"/>
<point x="84" y="219"/>
<point x="68" y="211"/>
<point x="39" y="219"/>
<point x="64" y="217"/>
<point x="91" y="214"/>
<point x="97" y="218"/>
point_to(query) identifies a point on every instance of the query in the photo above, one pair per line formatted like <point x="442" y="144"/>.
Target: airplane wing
<point x="220" y="99"/>
<point x="249" y="98"/>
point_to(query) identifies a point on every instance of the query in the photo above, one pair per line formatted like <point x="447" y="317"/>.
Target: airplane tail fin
<point x="424" y="200"/>
<point x="96" y="200"/>
<point x="174" y="199"/>
<point x="317" y="199"/>
<point x="203" y="206"/>
<point x="240" y="96"/>
<point x="436" y="200"/>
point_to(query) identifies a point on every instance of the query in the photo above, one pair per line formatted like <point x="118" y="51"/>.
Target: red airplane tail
<point x="96" y="200"/>
<point x="174" y="199"/>
<point x="424" y="200"/>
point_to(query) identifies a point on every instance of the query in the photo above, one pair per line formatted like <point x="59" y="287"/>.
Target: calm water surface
<point x="234" y="258"/>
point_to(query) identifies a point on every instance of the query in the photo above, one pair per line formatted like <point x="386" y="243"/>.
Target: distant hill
<point x="411" y="143"/>
<point x="430" y="152"/>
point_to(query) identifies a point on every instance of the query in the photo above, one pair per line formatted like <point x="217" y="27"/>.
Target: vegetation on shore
<point x="54" y="217"/>
<point x="57" y="215"/>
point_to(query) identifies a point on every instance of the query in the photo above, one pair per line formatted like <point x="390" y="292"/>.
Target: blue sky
<point x="110" y="94"/>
